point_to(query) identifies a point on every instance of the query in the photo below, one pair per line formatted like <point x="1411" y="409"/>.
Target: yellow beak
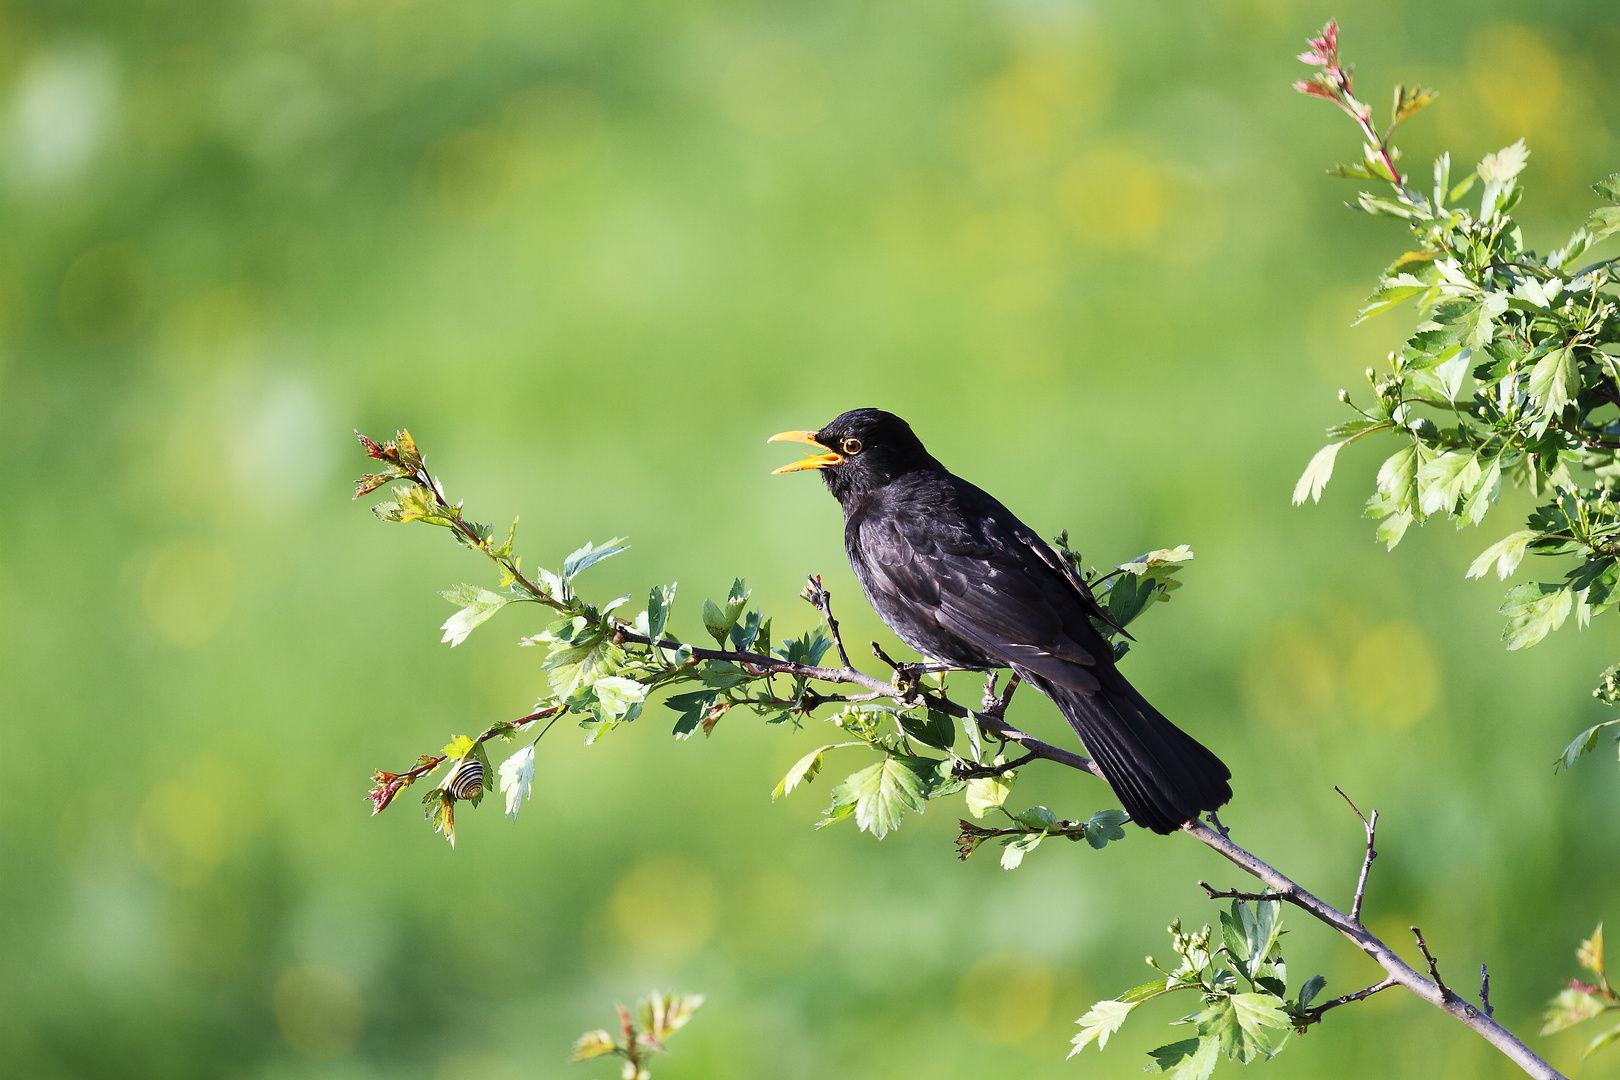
<point x="814" y="461"/>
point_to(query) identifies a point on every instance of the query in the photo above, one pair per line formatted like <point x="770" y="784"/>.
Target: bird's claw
<point x="908" y="681"/>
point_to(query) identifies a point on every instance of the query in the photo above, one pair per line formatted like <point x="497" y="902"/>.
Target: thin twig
<point x="1371" y="826"/>
<point x="1314" y="1015"/>
<point x="1233" y="894"/>
<point x="1485" y="990"/>
<point x="821" y="597"/>
<point x="1434" y="965"/>
<point x="966" y="770"/>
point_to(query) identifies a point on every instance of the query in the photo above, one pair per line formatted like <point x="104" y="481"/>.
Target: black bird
<point x="960" y="579"/>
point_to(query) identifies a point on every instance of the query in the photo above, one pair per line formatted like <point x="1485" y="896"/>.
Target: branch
<point x="385" y="785"/>
<point x="1399" y="971"/>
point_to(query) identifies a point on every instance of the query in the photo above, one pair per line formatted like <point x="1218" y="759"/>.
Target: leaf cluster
<point x="1581" y="1001"/>
<point x="1241" y="980"/>
<point x="657" y="1017"/>
<point x="1510" y="375"/>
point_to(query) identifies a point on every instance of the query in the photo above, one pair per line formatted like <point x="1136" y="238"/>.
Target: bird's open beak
<point x="814" y="461"/>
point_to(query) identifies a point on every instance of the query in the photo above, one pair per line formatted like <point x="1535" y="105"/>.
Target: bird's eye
<point x="852" y="446"/>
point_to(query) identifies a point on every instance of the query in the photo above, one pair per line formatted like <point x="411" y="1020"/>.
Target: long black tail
<point x="1162" y="776"/>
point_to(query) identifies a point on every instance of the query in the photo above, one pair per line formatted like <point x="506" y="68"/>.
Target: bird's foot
<point x="908" y="681"/>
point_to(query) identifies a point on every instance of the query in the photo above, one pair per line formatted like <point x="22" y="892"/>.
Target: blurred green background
<point x="592" y="254"/>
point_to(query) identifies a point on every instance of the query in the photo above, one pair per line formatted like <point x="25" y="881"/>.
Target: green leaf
<point x="1316" y="474"/>
<point x="1609" y="187"/>
<point x="1392" y="292"/>
<point x="1569" y="1008"/>
<point x="1555" y="380"/>
<point x="1442" y="480"/>
<point x="477" y="606"/>
<point x="718" y="619"/>
<point x="1014" y="848"/>
<point x="1608" y="1036"/>
<point x="1189" y="1059"/>
<point x="1590" y="954"/>
<point x="692" y="707"/>
<point x="1584" y="743"/>
<point x="1250" y="930"/>
<point x="1312" y="987"/>
<point x="1397" y="478"/>
<point x="517" y="779"/>
<point x="1604" y="222"/>
<point x="617" y="694"/>
<point x="1100" y="1021"/>
<point x="804" y="770"/>
<point x="1106" y="825"/>
<point x="1263" y="1024"/>
<point x="1534" y="610"/>
<point x="986" y="793"/>
<point x="880" y="794"/>
<point x="588" y="556"/>
<point x="1505" y="164"/>
<point x="592" y="1044"/>
<point x="659" y="602"/>
<point x="934" y="729"/>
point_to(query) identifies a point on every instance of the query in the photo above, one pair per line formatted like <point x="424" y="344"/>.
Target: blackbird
<point x="961" y="580"/>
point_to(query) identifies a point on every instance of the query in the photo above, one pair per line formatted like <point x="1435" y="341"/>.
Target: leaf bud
<point x="1344" y="396"/>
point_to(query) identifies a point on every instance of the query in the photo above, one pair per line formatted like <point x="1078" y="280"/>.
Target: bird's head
<point x="860" y="451"/>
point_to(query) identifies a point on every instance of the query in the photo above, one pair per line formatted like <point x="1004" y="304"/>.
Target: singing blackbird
<point x="960" y="579"/>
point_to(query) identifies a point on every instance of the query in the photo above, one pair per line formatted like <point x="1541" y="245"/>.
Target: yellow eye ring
<point x="852" y="446"/>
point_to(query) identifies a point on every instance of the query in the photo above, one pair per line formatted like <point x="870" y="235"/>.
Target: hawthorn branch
<point x="1399" y="971"/>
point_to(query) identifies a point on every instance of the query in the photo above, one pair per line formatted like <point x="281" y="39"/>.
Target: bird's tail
<point x="1162" y="776"/>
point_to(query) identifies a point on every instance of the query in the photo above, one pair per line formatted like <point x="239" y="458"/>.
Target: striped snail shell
<point x="468" y="780"/>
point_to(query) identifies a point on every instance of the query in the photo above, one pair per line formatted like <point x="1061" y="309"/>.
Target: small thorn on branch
<point x="1434" y="965"/>
<point x="1485" y="991"/>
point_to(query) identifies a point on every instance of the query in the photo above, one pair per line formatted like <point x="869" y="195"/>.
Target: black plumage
<point x="960" y="579"/>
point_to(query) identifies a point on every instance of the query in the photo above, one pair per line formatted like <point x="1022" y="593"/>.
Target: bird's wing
<point x="1049" y="555"/>
<point x="980" y="582"/>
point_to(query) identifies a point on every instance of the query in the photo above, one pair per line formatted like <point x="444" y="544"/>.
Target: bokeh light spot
<point x="665" y="909"/>
<point x="1004" y="998"/>
<point x="1289" y="674"/>
<point x="105" y="294"/>
<point x="188" y="591"/>
<point x="1393" y="679"/>
<point x="181" y="833"/>
<point x="318" y="1011"/>
<point x="478" y="1065"/>
<point x="1515" y="74"/>
<point x="1114" y="199"/>
<point x="468" y="176"/>
<point x="774" y="87"/>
